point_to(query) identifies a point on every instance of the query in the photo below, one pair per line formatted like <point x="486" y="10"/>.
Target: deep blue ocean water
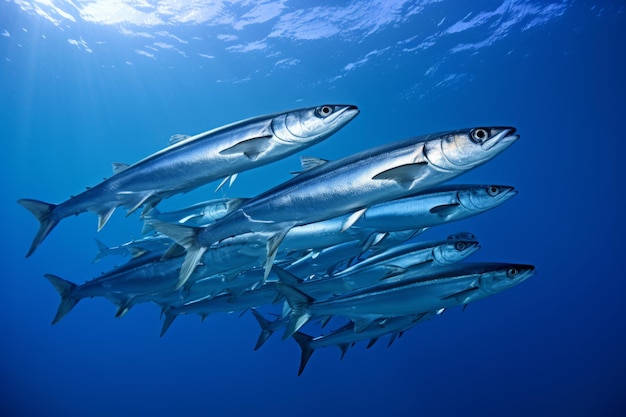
<point x="84" y="84"/>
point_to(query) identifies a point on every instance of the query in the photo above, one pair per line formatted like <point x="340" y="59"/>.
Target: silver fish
<point x="415" y="213"/>
<point x="351" y="184"/>
<point x="443" y="288"/>
<point x="266" y="294"/>
<point x="416" y="257"/>
<point x="138" y="277"/>
<point x="200" y="214"/>
<point x="135" y="248"/>
<point x="195" y="161"/>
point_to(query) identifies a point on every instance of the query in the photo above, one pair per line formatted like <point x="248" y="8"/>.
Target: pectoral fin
<point x="391" y="271"/>
<point x="251" y="148"/>
<point x="445" y="210"/>
<point x="405" y="175"/>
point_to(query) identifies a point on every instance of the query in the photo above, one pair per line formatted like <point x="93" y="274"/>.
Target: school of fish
<point x="336" y="242"/>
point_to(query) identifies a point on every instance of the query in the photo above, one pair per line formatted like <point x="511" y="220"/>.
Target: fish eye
<point x="512" y="272"/>
<point x="479" y="135"/>
<point x="492" y="190"/>
<point x="324" y="111"/>
<point x="460" y="246"/>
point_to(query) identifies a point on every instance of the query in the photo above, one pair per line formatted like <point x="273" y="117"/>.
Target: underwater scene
<point x="312" y="208"/>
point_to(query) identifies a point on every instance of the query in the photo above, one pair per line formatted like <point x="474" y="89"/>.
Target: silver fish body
<point x="430" y="208"/>
<point x="434" y="207"/>
<point x="443" y="288"/>
<point x="197" y="215"/>
<point x="195" y="161"/>
<point x="225" y="303"/>
<point x="121" y="286"/>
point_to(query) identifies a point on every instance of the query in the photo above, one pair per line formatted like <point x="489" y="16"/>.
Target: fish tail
<point x="170" y="316"/>
<point x="266" y="328"/>
<point x="299" y="303"/>
<point x="152" y="214"/>
<point x="304" y="341"/>
<point x="43" y="212"/>
<point x="103" y="251"/>
<point x="65" y="289"/>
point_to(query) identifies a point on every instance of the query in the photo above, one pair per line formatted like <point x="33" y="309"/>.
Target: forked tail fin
<point x="65" y="289"/>
<point x="299" y="303"/>
<point x="304" y="341"/>
<point x="42" y="211"/>
<point x="266" y="328"/>
<point x="103" y="251"/>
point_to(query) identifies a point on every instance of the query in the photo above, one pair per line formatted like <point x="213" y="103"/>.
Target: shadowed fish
<point x="345" y="337"/>
<point x="411" y="294"/>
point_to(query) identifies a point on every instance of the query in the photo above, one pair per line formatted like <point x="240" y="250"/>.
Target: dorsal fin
<point x="308" y="162"/>
<point x="118" y="167"/>
<point x="177" y="138"/>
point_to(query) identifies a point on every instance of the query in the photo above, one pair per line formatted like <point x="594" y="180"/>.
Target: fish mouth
<point x="352" y="111"/>
<point x="503" y="139"/>
<point x="507" y="192"/>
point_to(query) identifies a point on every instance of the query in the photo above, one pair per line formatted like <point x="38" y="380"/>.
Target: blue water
<point x="85" y="86"/>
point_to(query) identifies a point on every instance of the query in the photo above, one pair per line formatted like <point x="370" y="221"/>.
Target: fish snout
<point x="500" y="137"/>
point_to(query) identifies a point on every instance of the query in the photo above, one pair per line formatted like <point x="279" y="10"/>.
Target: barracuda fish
<point x="200" y="214"/>
<point x="398" y="260"/>
<point x="344" y="337"/>
<point x="410" y="215"/>
<point x="135" y="248"/>
<point x="195" y="161"/>
<point x="265" y="294"/>
<point x="434" y="207"/>
<point x="418" y="258"/>
<point x="351" y="184"/>
<point x="143" y="276"/>
<point x="151" y="279"/>
<point x="444" y="288"/>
